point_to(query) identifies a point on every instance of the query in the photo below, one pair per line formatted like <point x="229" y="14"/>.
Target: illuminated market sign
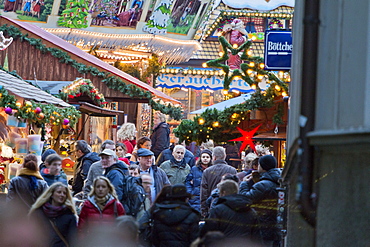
<point x="199" y="82"/>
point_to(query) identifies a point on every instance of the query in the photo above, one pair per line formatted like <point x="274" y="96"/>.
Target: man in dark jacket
<point x="232" y="214"/>
<point x="264" y="198"/>
<point x="85" y="158"/>
<point x="166" y="154"/>
<point x="212" y="176"/>
<point x="161" y="134"/>
<point x="115" y="171"/>
<point x="175" y="223"/>
<point x="146" y="159"/>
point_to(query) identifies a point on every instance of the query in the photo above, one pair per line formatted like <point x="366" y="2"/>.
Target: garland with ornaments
<point x="112" y="82"/>
<point x="220" y="125"/>
<point x="80" y="87"/>
<point x="75" y="14"/>
<point x="33" y="112"/>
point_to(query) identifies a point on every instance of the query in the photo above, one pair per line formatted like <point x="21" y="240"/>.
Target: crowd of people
<point x="145" y="193"/>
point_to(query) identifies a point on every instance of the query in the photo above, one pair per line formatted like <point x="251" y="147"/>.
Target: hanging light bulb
<point x="204" y="65"/>
<point x="216" y="124"/>
<point x="254" y="86"/>
<point x="277" y="87"/>
<point x="235" y="46"/>
<point x="262" y="65"/>
<point x="251" y="64"/>
<point x="201" y="121"/>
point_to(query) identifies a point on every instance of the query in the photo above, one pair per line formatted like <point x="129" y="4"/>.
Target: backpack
<point x="134" y="195"/>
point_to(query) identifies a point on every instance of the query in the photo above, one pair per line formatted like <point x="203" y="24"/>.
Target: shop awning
<point x="87" y="58"/>
<point x="224" y="104"/>
<point x="25" y="90"/>
<point x="268" y="136"/>
<point x="96" y="111"/>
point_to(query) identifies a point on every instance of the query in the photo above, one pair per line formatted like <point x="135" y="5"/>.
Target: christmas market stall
<point x="27" y="118"/>
<point x="51" y="59"/>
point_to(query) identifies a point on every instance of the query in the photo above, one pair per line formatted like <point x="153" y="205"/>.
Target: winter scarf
<point x="33" y="175"/>
<point x="101" y="202"/>
<point x="53" y="211"/>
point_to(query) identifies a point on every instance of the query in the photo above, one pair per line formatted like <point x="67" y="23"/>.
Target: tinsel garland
<point x="112" y="82"/>
<point x="47" y="113"/>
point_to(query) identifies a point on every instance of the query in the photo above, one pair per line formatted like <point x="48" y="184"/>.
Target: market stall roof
<point x="224" y="104"/>
<point x="88" y="58"/>
<point x="281" y="136"/>
<point x="25" y="90"/>
<point x="171" y="51"/>
<point x="97" y="111"/>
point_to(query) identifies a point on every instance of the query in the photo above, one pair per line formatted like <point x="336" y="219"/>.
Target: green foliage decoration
<point x="228" y="120"/>
<point x="49" y="112"/>
<point x="112" y="82"/>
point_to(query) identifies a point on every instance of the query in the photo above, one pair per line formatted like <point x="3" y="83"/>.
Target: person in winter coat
<point x="101" y="208"/>
<point x="56" y="214"/>
<point x="194" y="178"/>
<point x="27" y="186"/>
<point x="215" y="195"/>
<point x="176" y="168"/>
<point x="264" y="198"/>
<point x="96" y="169"/>
<point x="127" y="135"/>
<point x="115" y="171"/>
<point x="52" y="171"/>
<point x="175" y="223"/>
<point x="159" y="177"/>
<point x="85" y="158"/>
<point x="161" y="134"/>
<point x="212" y="176"/>
<point x="232" y="214"/>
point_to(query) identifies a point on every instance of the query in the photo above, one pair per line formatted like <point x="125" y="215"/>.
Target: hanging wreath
<point x="81" y="87"/>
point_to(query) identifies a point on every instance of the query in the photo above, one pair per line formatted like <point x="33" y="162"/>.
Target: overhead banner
<point x="198" y="82"/>
<point x="257" y="4"/>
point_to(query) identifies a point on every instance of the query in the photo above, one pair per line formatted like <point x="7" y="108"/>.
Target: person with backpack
<point x="114" y="170"/>
<point x="101" y="207"/>
<point x="263" y="198"/>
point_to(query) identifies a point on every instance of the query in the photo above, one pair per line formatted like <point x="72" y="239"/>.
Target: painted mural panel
<point x="182" y="16"/>
<point x="28" y="10"/>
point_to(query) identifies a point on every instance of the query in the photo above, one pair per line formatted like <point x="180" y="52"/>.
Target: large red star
<point x="246" y="138"/>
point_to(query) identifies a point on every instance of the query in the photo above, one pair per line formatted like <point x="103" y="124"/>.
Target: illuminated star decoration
<point x="247" y="138"/>
<point x="250" y="71"/>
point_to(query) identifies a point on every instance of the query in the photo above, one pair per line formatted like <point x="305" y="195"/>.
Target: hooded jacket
<point x="91" y="215"/>
<point x="116" y="175"/>
<point x="50" y="179"/>
<point x="82" y="167"/>
<point x="160" y="138"/>
<point x="175" y="223"/>
<point x="233" y="216"/>
<point x="264" y="198"/>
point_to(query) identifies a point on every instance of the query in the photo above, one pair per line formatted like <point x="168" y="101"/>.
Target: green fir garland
<point x="112" y="82"/>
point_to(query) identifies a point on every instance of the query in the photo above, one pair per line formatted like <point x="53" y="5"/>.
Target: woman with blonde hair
<point x="161" y="134"/>
<point x="27" y="186"/>
<point x="127" y="134"/>
<point x="101" y="207"/>
<point x="56" y="214"/>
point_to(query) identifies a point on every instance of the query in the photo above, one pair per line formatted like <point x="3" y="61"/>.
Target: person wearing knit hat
<point x="263" y="198"/>
<point x="267" y="162"/>
<point x="194" y="178"/>
<point x="46" y="153"/>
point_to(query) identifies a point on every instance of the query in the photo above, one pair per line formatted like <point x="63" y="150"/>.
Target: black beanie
<point x="207" y="151"/>
<point x="267" y="162"/>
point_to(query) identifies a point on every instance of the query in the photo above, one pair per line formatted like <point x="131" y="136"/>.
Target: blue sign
<point x="278" y="50"/>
